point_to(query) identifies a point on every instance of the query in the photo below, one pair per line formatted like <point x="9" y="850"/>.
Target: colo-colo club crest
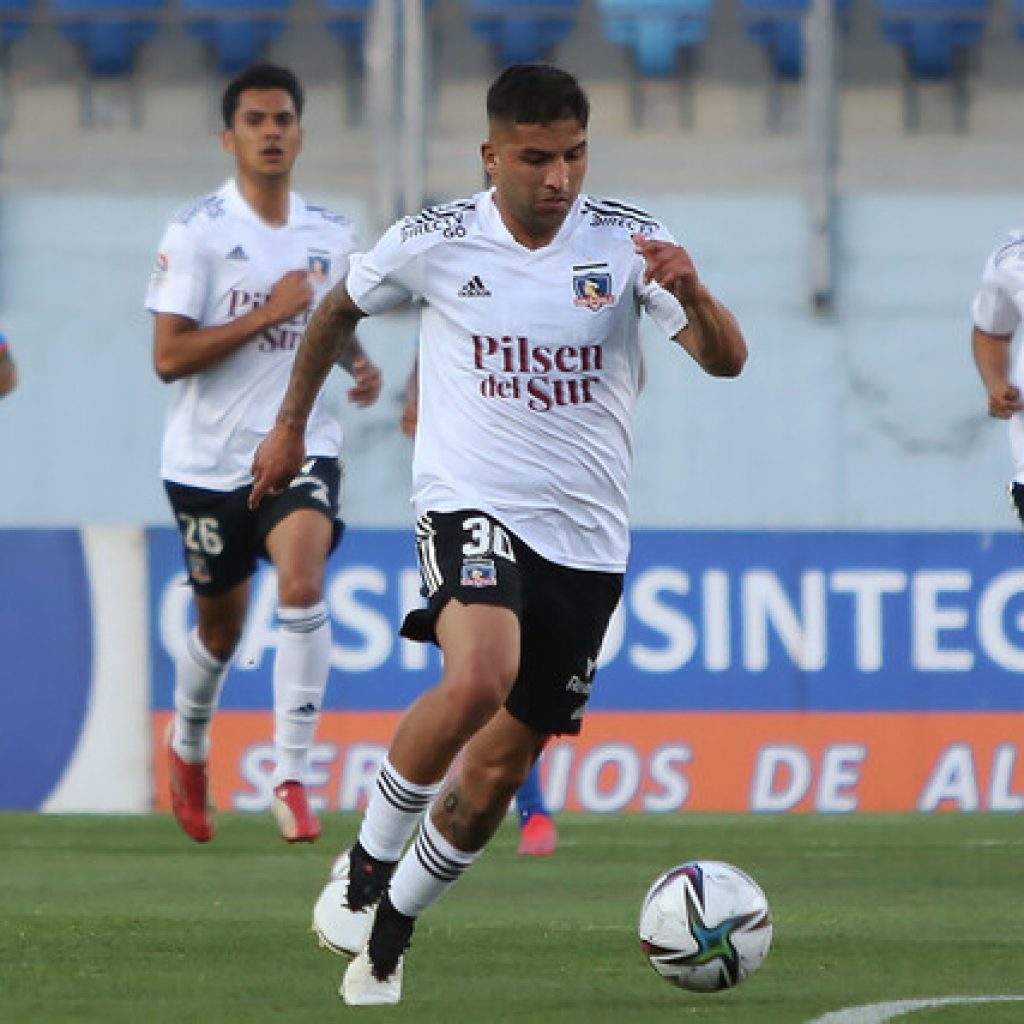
<point x="592" y="286"/>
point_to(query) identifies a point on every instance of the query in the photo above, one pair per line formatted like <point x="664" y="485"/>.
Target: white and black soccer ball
<point x="705" y="926"/>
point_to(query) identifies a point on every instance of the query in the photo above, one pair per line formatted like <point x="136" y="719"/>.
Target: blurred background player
<point x="8" y="371"/>
<point x="236" y="279"/>
<point x="996" y="318"/>
<point x="532" y="296"/>
<point x="538" y="835"/>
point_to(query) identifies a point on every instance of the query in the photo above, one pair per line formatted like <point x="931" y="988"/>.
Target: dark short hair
<point x="537" y="94"/>
<point x="260" y="76"/>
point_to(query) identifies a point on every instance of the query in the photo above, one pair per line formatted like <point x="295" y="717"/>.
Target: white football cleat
<point x="338" y="927"/>
<point x="361" y="987"/>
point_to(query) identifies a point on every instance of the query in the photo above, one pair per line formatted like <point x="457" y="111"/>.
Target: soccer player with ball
<point x="531" y="297"/>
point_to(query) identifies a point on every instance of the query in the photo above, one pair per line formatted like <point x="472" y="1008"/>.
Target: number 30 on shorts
<point x="486" y="538"/>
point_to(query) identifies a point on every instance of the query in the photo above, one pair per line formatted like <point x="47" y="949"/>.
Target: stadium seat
<point x="935" y="39"/>
<point x="661" y="37"/>
<point x="347" y="21"/>
<point x="522" y="30"/>
<point x="777" y="26"/>
<point x="235" y="33"/>
<point x="14" y="15"/>
<point x="108" y="35"/>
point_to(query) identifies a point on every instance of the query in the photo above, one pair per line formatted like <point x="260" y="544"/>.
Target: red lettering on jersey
<point x="509" y="358"/>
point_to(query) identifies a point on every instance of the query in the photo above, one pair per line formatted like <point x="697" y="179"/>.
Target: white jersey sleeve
<point x="179" y="279"/>
<point x="661" y="305"/>
<point x="994" y="310"/>
<point x="387" y="276"/>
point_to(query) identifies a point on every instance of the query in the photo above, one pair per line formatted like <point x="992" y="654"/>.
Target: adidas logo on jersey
<point x="238" y="253"/>
<point x="474" y="288"/>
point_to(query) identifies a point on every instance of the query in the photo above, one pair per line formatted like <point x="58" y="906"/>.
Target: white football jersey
<point x="529" y="366"/>
<point x="217" y="261"/>
<point x="997" y="309"/>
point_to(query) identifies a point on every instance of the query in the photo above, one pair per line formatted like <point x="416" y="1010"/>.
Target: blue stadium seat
<point x="661" y="38"/>
<point x="778" y="26"/>
<point x="655" y="31"/>
<point x="14" y="15"/>
<point x="522" y="30"/>
<point x="346" y="21"/>
<point x="235" y="33"/>
<point x="933" y="35"/>
<point x="936" y="39"/>
<point x="108" y="33"/>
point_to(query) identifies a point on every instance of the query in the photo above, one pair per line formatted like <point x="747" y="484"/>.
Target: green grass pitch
<point x="125" y="920"/>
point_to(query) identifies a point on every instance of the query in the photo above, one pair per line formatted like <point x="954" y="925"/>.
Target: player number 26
<point x="201" y="534"/>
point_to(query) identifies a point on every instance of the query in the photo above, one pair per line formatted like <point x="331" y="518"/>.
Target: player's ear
<point x="489" y="154"/>
<point x="227" y="140"/>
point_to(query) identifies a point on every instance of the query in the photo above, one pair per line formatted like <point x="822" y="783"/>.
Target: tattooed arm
<point x="329" y="339"/>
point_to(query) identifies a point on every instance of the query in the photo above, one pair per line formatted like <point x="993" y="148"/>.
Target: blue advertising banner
<point x="710" y="621"/>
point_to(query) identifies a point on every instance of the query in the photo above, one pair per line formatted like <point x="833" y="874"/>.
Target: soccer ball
<point x="705" y="926"/>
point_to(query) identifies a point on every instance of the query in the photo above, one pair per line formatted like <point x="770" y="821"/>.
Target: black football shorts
<point x="223" y="539"/>
<point x="469" y="556"/>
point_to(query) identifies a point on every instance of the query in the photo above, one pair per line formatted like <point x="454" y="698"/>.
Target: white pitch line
<point x="878" y="1013"/>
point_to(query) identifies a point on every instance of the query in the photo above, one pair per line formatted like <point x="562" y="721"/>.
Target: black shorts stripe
<point x="426" y="552"/>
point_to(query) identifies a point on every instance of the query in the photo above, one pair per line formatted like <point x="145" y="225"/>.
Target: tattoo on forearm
<point x="328" y="339"/>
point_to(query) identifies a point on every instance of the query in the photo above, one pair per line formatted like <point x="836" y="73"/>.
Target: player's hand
<point x="290" y="295"/>
<point x="670" y="266"/>
<point x="366" y="389"/>
<point x="1003" y="403"/>
<point x="278" y="458"/>
<point x="410" y="415"/>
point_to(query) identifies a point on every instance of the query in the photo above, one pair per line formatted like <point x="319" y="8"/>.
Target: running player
<point x="237" y="277"/>
<point x="530" y="362"/>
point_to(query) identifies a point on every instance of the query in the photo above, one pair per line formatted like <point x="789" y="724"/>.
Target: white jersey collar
<point x="240" y="206"/>
<point x="497" y="227"/>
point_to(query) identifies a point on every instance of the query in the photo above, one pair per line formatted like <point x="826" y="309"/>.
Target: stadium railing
<point x="662" y="38"/>
<point x="936" y="39"/>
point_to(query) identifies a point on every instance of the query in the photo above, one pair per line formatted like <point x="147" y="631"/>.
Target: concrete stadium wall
<point x="872" y="419"/>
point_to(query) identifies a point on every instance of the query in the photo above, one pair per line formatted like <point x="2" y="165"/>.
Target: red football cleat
<point x="295" y="818"/>
<point x="190" y="795"/>
<point x="538" y="837"/>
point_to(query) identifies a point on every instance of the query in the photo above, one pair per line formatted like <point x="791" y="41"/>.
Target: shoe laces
<point x="367" y="878"/>
<point x="390" y="938"/>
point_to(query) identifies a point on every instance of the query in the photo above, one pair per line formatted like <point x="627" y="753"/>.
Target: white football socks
<point x="301" y="668"/>
<point x="427" y="871"/>
<point x="393" y="812"/>
<point x="198" y="678"/>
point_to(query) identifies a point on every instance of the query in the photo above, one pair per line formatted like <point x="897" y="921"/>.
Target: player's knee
<point x="220" y="641"/>
<point x="477" y="687"/>
<point x="495" y="783"/>
<point x="299" y="591"/>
